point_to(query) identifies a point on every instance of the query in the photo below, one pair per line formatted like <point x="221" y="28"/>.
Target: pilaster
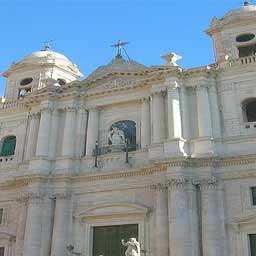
<point x="92" y="131"/>
<point x="61" y="227"/>
<point x="44" y="132"/>
<point x="69" y="132"/>
<point x="212" y="232"/>
<point x="145" y="122"/>
<point x="204" y="146"/>
<point x="183" y="240"/>
<point x="32" y="135"/>
<point x="32" y="240"/>
<point x="161" y="220"/>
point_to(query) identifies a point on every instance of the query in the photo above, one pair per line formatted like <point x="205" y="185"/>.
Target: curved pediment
<point x="112" y="209"/>
<point x="6" y="235"/>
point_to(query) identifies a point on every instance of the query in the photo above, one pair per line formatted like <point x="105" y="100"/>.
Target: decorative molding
<point x="162" y="187"/>
<point x="178" y="183"/>
<point x="66" y="195"/>
<point x="209" y="183"/>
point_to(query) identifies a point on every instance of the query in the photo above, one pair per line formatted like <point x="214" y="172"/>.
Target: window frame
<point x="2" y="145"/>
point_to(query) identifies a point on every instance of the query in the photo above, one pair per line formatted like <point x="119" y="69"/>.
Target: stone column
<point x="161" y="230"/>
<point x="211" y="219"/>
<point x="174" y="112"/>
<point x="32" y="241"/>
<point x="158" y="117"/>
<point x="92" y="131"/>
<point x="43" y="133"/>
<point x="61" y="224"/>
<point x="213" y="95"/>
<point x="54" y="134"/>
<point x="20" y="232"/>
<point x="47" y="225"/>
<point x="203" y="112"/>
<point x="32" y="136"/>
<point x="69" y="132"/>
<point x="145" y="123"/>
<point x="180" y="237"/>
<point x="81" y="132"/>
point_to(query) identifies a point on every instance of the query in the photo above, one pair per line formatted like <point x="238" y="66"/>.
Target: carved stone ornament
<point x="62" y="195"/>
<point x="119" y="82"/>
<point x="31" y="197"/>
<point x="159" y="187"/>
<point x="209" y="183"/>
<point x="178" y="182"/>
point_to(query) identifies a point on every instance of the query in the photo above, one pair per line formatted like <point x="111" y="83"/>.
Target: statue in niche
<point x="133" y="247"/>
<point x="116" y="136"/>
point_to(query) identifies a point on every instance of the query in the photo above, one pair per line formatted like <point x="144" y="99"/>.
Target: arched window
<point x="8" y="146"/>
<point x="249" y="109"/>
<point x="122" y="130"/>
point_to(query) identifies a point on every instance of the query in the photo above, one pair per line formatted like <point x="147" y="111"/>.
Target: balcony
<point x="7" y="160"/>
<point x="115" y="149"/>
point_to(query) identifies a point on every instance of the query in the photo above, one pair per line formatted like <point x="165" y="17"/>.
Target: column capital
<point x="62" y="195"/>
<point x="161" y="92"/>
<point x="145" y="99"/>
<point x="31" y="197"/>
<point x="209" y="183"/>
<point x="161" y="186"/>
<point x="46" y="110"/>
<point x="178" y="183"/>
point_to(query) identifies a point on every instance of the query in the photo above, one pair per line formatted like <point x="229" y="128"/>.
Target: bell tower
<point x="234" y="35"/>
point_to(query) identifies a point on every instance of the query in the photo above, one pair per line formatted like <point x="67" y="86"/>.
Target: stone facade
<point x="187" y="179"/>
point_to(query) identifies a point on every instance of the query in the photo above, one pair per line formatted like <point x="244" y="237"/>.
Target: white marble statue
<point x="116" y="136"/>
<point x="133" y="247"/>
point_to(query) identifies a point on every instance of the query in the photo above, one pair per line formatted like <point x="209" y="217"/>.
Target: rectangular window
<point x="253" y="195"/>
<point x="252" y="238"/>
<point x="1" y="251"/>
<point x="1" y="215"/>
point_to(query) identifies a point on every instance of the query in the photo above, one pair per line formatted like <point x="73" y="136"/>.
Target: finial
<point x="171" y="58"/>
<point x="120" y="46"/>
<point x="47" y="45"/>
<point x="247" y="3"/>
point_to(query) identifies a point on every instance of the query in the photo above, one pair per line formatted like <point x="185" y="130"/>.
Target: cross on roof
<point x="120" y="46"/>
<point x="48" y="45"/>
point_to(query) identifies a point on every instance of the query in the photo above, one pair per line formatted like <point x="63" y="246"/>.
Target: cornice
<point x="158" y="167"/>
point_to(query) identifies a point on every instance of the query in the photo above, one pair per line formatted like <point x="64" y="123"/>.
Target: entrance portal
<point x="107" y="239"/>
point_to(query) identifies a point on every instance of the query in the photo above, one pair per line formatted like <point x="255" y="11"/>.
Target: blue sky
<point x="83" y="30"/>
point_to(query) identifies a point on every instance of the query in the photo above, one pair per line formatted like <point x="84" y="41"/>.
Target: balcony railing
<point x="7" y="159"/>
<point x="247" y="59"/>
<point x="115" y="149"/>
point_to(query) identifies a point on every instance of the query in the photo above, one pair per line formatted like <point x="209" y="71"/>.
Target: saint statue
<point x="116" y="136"/>
<point x="133" y="247"/>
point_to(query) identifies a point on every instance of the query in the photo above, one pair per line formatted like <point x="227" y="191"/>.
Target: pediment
<point x="249" y="219"/>
<point x="113" y="83"/>
<point x="112" y="209"/>
<point x="6" y="235"/>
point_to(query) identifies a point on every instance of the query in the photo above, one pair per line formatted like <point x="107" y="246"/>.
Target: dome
<point x="246" y="10"/>
<point x="44" y="57"/>
<point x="45" y="54"/>
<point x="118" y="64"/>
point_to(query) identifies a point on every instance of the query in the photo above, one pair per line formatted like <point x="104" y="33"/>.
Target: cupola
<point x="27" y="75"/>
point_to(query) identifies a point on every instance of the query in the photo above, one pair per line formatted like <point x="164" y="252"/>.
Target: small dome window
<point x="61" y="81"/>
<point x="245" y="37"/>
<point x="26" y="81"/>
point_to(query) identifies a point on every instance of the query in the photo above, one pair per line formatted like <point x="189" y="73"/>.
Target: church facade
<point x="163" y="154"/>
